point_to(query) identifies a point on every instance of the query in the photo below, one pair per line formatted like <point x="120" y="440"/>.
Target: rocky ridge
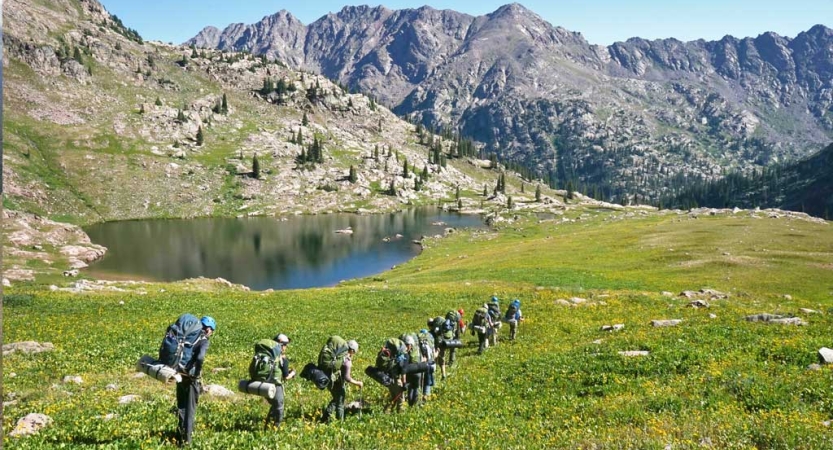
<point x="636" y="116"/>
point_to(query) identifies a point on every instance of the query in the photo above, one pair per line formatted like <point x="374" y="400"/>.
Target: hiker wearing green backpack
<point x="188" y="390"/>
<point x="336" y="359"/>
<point x="481" y="325"/>
<point x="413" y="381"/>
<point x="449" y="335"/>
<point x="391" y="359"/>
<point x="270" y="365"/>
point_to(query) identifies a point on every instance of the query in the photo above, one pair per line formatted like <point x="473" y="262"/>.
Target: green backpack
<point x="331" y="357"/>
<point x="391" y="356"/>
<point x="479" y="318"/>
<point x="262" y="367"/>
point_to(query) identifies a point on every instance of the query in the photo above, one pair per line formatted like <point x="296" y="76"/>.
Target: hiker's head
<point x="409" y="341"/>
<point x="208" y="324"/>
<point x="282" y="339"/>
<point x="517" y="303"/>
<point x="494" y="299"/>
<point x="461" y="312"/>
<point x="352" y="347"/>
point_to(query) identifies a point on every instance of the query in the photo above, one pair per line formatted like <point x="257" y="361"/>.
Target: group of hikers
<point x="405" y="365"/>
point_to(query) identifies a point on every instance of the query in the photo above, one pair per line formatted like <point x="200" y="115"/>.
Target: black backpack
<point x="510" y="312"/>
<point x="179" y="341"/>
<point x="494" y="311"/>
<point x="479" y="318"/>
<point x="262" y="367"/>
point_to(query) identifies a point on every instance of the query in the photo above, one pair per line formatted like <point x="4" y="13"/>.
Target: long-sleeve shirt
<point x="194" y="366"/>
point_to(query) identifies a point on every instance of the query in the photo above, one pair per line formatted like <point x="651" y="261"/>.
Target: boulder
<point x="578" y="300"/>
<point x="699" y="304"/>
<point x="73" y="379"/>
<point x="30" y="424"/>
<point x="615" y="327"/>
<point x="774" y="318"/>
<point x="826" y="355"/>
<point x="666" y="323"/>
<point x="111" y="387"/>
<point x="27" y="347"/>
<point x="808" y="311"/>
<point x="215" y="390"/>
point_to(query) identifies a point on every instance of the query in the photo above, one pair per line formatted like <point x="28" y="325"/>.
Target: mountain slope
<point x="631" y="117"/>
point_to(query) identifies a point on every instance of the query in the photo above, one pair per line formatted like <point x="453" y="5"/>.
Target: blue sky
<point x="600" y="21"/>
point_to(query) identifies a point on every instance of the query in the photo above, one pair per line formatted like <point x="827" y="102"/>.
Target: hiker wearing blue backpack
<point x="188" y="390"/>
<point x="513" y="317"/>
<point x="337" y="387"/>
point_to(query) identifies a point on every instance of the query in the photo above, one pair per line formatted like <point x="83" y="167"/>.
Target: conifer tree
<point x="158" y="102"/>
<point x="509" y="202"/>
<point x="392" y="188"/>
<point x="376" y="153"/>
<point x="224" y="107"/>
<point x="200" y="137"/>
<point x="425" y="172"/>
<point x="353" y="177"/>
<point x="300" y="139"/>
<point x="457" y="193"/>
<point x="405" y="169"/>
<point x="255" y="166"/>
<point x="538" y="194"/>
<point x="523" y="189"/>
<point x="305" y="119"/>
<point x="485" y="192"/>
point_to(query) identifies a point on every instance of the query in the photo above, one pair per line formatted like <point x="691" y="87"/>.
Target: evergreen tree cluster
<point x="129" y="33"/>
<point x="313" y="153"/>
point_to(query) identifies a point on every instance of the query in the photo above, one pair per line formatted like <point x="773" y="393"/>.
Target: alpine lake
<point x="268" y="252"/>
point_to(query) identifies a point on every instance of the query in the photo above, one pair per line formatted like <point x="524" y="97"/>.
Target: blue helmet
<point x="208" y="321"/>
<point x="494" y="299"/>
<point x="516" y="303"/>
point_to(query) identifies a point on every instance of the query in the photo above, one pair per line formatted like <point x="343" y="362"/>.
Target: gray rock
<point x="814" y="367"/>
<point x="73" y="379"/>
<point x="111" y="387"/>
<point x="712" y="316"/>
<point x="71" y="273"/>
<point x="125" y="399"/>
<point x="30" y="424"/>
<point x="215" y="390"/>
<point x="632" y="353"/>
<point x="615" y="327"/>
<point x="578" y="300"/>
<point x="699" y="304"/>
<point x="809" y="311"/>
<point x="563" y="302"/>
<point x="666" y="323"/>
<point x="826" y="355"/>
<point x="27" y="347"/>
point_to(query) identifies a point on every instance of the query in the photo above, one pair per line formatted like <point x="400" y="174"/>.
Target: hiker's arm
<point x="348" y="373"/>
<point x="286" y="374"/>
<point x="198" y="358"/>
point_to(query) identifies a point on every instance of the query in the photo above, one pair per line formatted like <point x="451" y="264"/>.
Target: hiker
<point x="513" y="316"/>
<point x="391" y="359"/>
<point x="337" y="388"/>
<point x="481" y="325"/>
<point x="449" y="330"/>
<point x="427" y="350"/>
<point x="188" y="390"/>
<point x="275" y="415"/>
<point x="413" y="381"/>
<point x="494" y="315"/>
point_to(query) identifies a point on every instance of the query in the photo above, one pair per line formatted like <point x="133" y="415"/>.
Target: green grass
<point x="562" y="384"/>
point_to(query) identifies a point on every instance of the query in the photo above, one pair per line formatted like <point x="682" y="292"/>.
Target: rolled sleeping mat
<point x="451" y="343"/>
<point x="311" y="372"/>
<point x="410" y="369"/>
<point x="379" y="375"/>
<point x="156" y="370"/>
<point x="259" y="388"/>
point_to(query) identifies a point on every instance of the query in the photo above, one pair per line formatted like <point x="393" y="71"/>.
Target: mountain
<point x="805" y="185"/>
<point x="100" y="125"/>
<point x="631" y="117"/>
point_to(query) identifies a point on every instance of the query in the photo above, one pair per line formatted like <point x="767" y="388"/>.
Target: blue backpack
<point x="180" y="339"/>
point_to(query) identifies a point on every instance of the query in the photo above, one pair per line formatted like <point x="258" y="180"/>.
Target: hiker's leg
<point x="481" y="338"/>
<point x="339" y="394"/>
<point x="187" y="396"/>
<point x="275" y="416"/>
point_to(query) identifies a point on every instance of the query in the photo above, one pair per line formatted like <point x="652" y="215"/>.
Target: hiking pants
<point x="513" y="328"/>
<point x="396" y="395"/>
<point x="187" y="397"/>
<point x="275" y="416"/>
<point x="428" y="381"/>
<point x="337" y="403"/>
<point x="482" y="339"/>
<point x="414" y="388"/>
<point x="450" y="352"/>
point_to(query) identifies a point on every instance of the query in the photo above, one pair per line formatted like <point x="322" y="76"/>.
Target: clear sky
<point x="600" y="21"/>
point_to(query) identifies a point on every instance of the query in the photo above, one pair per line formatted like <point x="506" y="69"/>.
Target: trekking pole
<point x="361" y="402"/>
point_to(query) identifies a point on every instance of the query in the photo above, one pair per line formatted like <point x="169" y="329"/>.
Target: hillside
<point x="632" y="117"/>
<point x="100" y="125"/>
<point x="805" y="185"/>
<point x="714" y="380"/>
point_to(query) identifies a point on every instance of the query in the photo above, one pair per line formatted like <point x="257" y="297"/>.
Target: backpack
<point x="511" y="312"/>
<point x="262" y="367"/>
<point x="179" y="341"/>
<point x="426" y="346"/>
<point x="479" y="318"/>
<point x="494" y="311"/>
<point x="392" y="356"/>
<point x="331" y="356"/>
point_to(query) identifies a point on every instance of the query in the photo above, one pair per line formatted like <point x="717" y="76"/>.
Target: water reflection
<point x="264" y="252"/>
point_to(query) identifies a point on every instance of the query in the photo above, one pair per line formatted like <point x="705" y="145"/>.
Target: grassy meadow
<point x="715" y="380"/>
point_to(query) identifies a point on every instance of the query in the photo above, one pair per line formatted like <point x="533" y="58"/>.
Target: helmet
<point x="281" y="339"/>
<point x="423" y="331"/>
<point x="461" y="312"/>
<point x="409" y="340"/>
<point x="516" y="302"/>
<point x="494" y="299"/>
<point x="353" y="345"/>
<point x="208" y="322"/>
